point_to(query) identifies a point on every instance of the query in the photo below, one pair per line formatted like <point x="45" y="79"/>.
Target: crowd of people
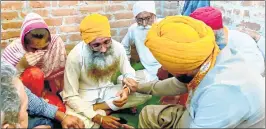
<point x="217" y="74"/>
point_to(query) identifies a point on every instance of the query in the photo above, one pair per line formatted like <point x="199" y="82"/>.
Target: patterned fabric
<point x="54" y="59"/>
<point x="37" y="106"/>
<point x="192" y="86"/>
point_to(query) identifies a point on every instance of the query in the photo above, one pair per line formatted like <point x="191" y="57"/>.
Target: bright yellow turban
<point x="181" y="44"/>
<point x="93" y="26"/>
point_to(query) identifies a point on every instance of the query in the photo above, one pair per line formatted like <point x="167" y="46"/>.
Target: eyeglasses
<point x="98" y="46"/>
<point x="140" y="20"/>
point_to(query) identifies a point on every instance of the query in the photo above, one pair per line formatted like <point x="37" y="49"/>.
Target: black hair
<point x="37" y="33"/>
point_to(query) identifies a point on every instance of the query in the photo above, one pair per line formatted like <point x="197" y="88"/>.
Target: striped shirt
<point x="38" y="106"/>
<point x="13" y="52"/>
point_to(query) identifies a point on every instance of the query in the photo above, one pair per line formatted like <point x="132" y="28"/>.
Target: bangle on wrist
<point x="127" y="88"/>
<point x="101" y="121"/>
<point x="64" y="118"/>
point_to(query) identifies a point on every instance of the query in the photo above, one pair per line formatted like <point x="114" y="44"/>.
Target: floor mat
<point x="133" y="119"/>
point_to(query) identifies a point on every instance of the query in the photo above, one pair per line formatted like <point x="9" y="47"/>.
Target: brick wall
<point x="63" y="17"/>
<point x="247" y="14"/>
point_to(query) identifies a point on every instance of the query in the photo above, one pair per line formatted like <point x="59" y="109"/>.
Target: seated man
<point x="88" y="91"/>
<point x="237" y="40"/>
<point x="221" y="95"/>
<point x="258" y="38"/>
<point x="34" y="105"/>
<point x="39" y="57"/>
<point x="145" y="15"/>
<point x="234" y="39"/>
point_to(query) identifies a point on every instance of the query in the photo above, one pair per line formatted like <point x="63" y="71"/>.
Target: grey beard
<point x="102" y="60"/>
<point x="102" y="66"/>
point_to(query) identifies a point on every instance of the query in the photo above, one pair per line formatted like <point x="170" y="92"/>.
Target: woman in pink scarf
<point x="40" y="57"/>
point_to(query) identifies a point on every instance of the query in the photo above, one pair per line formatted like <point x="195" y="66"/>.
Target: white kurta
<point x="81" y="92"/>
<point x="248" y="48"/>
<point x="137" y="36"/>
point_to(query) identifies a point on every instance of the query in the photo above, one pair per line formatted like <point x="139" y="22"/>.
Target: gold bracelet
<point x="101" y="120"/>
<point x="128" y="90"/>
<point x="124" y="87"/>
<point x="64" y="118"/>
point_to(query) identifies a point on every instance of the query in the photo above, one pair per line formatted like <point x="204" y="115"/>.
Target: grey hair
<point x="220" y="38"/>
<point x="10" y="101"/>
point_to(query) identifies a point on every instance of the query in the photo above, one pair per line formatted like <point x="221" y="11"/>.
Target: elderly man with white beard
<point x="234" y="39"/>
<point x="88" y="91"/>
<point x="145" y="15"/>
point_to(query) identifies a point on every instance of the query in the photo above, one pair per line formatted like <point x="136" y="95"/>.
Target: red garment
<point x="210" y="16"/>
<point x="55" y="100"/>
<point x="179" y="99"/>
<point x="33" y="78"/>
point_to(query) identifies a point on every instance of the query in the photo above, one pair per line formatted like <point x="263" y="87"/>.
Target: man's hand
<point x="131" y="83"/>
<point x="162" y="74"/>
<point x="123" y="94"/>
<point x="72" y="122"/>
<point x="110" y="122"/>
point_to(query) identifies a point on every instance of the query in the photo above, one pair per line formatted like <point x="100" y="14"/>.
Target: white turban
<point x="141" y="6"/>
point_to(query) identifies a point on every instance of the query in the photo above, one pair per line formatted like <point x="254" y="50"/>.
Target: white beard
<point x="144" y="28"/>
<point x="102" y="61"/>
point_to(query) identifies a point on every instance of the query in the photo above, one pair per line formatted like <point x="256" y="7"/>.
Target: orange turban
<point x="181" y="44"/>
<point x="93" y="26"/>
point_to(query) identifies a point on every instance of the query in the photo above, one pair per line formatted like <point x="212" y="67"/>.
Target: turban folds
<point x="93" y="26"/>
<point x="141" y="6"/>
<point x="181" y="44"/>
<point x="210" y="16"/>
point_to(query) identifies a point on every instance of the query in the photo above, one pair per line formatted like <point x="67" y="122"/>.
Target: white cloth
<point x="136" y="36"/>
<point x="141" y="6"/>
<point x="142" y="76"/>
<point x="261" y="45"/>
<point x="81" y="92"/>
<point x="248" y="48"/>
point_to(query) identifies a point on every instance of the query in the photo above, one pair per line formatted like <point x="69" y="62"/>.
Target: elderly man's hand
<point x="123" y="94"/>
<point x="131" y="83"/>
<point x="72" y="122"/>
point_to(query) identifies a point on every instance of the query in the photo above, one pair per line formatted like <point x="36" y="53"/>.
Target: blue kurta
<point x="229" y="95"/>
